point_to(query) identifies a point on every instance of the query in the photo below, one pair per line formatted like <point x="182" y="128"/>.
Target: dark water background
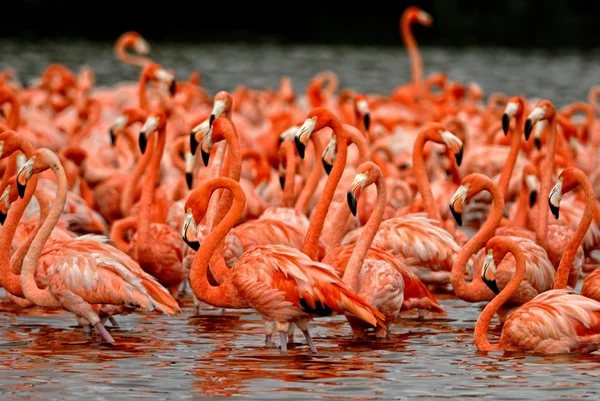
<point x="44" y="357"/>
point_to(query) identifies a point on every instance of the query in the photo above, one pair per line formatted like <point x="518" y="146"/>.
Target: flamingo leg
<point x="282" y="339"/>
<point x="113" y="321"/>
<point x="87" y="329"/>
<point x="310" y="342"/>
<point x="100" y="329"/>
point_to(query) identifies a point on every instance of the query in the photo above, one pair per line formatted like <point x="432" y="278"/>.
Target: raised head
<point x="41" y="160"/>
<point x="470" y="186"/>
<point x="128" y="117"/>
<point x="362" y="108"/>
<point x="366" y="174"/>
<point x="155" y="72"/>
<point x="543" y="111"/>
<point x="155" y="121"/>
<point x="438" y="133"/>
<point x="568" y="180"/>
<point x="10" y="142"/>
<point x="415" y="14"/>
<point x="514" y="108"/>
<point x="317" y="119"/>
<point x="222" y="104"/>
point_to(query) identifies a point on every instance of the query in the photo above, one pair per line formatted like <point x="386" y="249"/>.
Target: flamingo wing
<point x="556" y="321"/>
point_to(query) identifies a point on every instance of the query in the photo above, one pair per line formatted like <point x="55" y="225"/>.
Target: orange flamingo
<point x="85" y="273"/>
<point x="134" y="41"/>
<point x="557" y="321"/>
<point x="281" y="283"/>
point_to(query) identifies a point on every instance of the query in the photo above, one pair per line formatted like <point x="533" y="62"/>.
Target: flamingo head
<point x="471" y="185"/>
<point x="9" y="195"/>
<point x="543" y="111"/>
<point x="155" y="121"/>
<point x="366" y="174"/>
<point x="41" y="160"/>
<point x="438" y="133"/>
<point x="362" y="108"/>
<point x="532" y="182"/>
<point x="222" y="103"/>
<point x="329" y="154"/>
<point x="514" y="107"/>
<point x="416" y="14"/>
<point x="190" y="160"/>
<point x="155" y="72"/>
<point x="198" y="133"/>
<point x="488" y="273"/>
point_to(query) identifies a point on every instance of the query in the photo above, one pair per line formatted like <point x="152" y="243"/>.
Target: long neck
<point x="118" y="230"/>
<point x="290" y="173"/>
<point x="10" y="170"/>
<point x="363" y="244"/>
<point x="44" y="298"/>
<point x="477" y="290"/>
<point x="225" y="295"/>
<point x="483" y="322"/>
<point x="566" y="260"/>
<point x="520" y="217"/>
<point x="541" y="234"/>
<point x="422" y="180"/>
<point x="14" y="119"/>
<point x="144" y="218"/>
<point x="313" y="179"/>
<point x="16" y="261"/>
<point x="509" y="164"/>
<point x="356" y="137"/>
<point x="142" y="95"/>
<point x="11" y="282"/>
<point x="131" y="185"/>
<point x="413" y="51"/>
<point x="317" y="221"/>
<point x="234" y="154"/>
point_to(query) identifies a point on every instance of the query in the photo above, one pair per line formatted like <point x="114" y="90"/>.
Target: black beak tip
<point x="212" y="118"/>
<point x="189" y="179"/>
<point x="300" y="147"/>
<point x="505" y="123"/>
<point x="459" y="156"/>
<point x="326" y="166"/>
<point x="2" y="218"/>
<point x="282" y="181"/>
<point x="367" y="120"/>
<point x="280" y="141"/>
<point x="351" y="202"/>
<point x="193" y="143"/>
<point x="205" y="157"/>
<point x="143" y="142"/>
<point x="457" y="216"/>
<point x="492" y="285"/>
<point x="554" y="210"/>
<point x="532" y="198"/>
<point x="195" y="245"/>
<point x="528" y="128"/>
<point x="538" y="143"/>
<point x="113" y="137"/>
<point x="172" y="87"/>
<point x="21" y="190"/>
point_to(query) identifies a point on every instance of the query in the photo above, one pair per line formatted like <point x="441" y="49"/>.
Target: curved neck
<point x="142" y="95"/>
<point x="131" y="185"/>
<point x="10" y="170"/>
<point x="363" y="244"/>
<point x="44" y="298"/>
<point x="234" y="167"/>
<point x="413" y="51"/>
<point x="287" y="152"/>
<point x="118" y="230"/>
<point x="225" y="295"/>
<point x="423" y="184"/>
<point x="16" y="261"/>
<point x="541" y="234"/>
<point x="144" y="217"/>
<point x="566" y="260"/>
<point x="175" y="153"/>
<point x="356" y="137"/>
<point x="477" y="290"/>
<point x="509" y="164"/>
<point x="317" y="221"/>
<point x="313" y="179"/>
<point x="483" y="322"/>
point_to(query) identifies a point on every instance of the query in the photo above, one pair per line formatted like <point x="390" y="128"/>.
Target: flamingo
<point x="556" y="321"/>
<point x="84" y="275"/>
<point x="281" y="283"/>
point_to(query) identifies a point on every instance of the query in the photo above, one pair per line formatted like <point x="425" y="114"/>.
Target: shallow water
<point x="45" y="356"/>
<point x="218" y="354"/>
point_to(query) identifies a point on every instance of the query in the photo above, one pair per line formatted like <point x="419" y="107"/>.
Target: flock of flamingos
<point x="106" y="208"/>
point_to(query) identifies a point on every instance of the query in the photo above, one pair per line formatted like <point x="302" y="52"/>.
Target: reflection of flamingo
<point x="85" y="275"/>
<point x="557" y="321"/>
<point x="280" y="283"/>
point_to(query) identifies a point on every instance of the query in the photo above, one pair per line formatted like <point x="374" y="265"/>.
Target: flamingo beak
<point x="453" y="142"/>
<point x="172" y="87"/>
<point x="218" y="109"/>
<point x="303" y="135"/>
<point x="357" y="185"/>
<point x="555" y="197"/>
<point x="488" y="273"/>
<point x="363" y="109"/>
<point x="4" y="198"/>
<point x="205" y="128"/>
<point x="457" y="201"/>
<point x="511" y="110"/>
<point x="188" y="231"/>
<point x="2" y="217"/>
<point x="329" y="154"/>
<point x="536" y="114"/>
<point x="189" y="167"/>
<point x="148" y="128"/>
<point x="1" y="147"/>
<point x="120" y="123"/>
<point x="23" y="176"/>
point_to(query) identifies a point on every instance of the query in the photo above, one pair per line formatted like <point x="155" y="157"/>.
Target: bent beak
<point x="147" y="129"/>
<point x="535" y="115"/>
<point x="218" y="109"/>
<point x="303" y="135"/>
<point x="188" y="231"/>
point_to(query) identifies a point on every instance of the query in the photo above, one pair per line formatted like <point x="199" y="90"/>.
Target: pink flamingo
<point x="83" y="274"/>
<point x="556" y="321"/>
<point x="281" y="283"/>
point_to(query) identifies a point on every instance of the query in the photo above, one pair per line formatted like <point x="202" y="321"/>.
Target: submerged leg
<point x="290" y="334"/>
<point x="282" y="339"/>
<point x="100" y="329"/>
<point x="269" y="329"/>
<point x="87" y="329"/>
<point x="113" y="321"/>
<point x="309" y="340"/>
